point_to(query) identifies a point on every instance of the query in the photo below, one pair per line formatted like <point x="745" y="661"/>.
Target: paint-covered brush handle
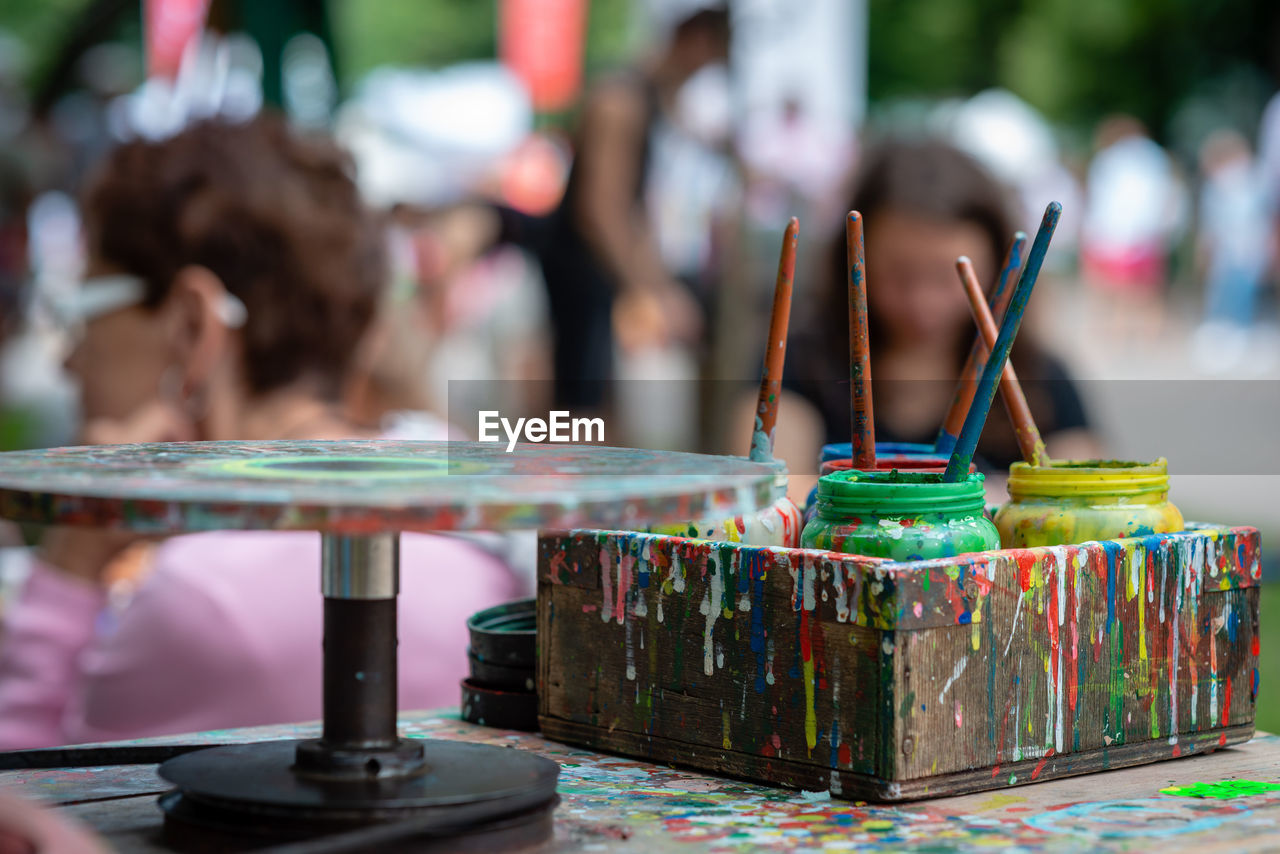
<point x="861" y="416"/>
<point x="775" y="353"/>
<point x="977" y="357"/>
<point x="967" y="443"/>
<point x="1024" y="426"/>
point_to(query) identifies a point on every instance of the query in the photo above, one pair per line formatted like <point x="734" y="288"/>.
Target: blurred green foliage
<point x="1078" y="60"/>
<point x="1075" y="60"/>
<point x="435" y="33"/>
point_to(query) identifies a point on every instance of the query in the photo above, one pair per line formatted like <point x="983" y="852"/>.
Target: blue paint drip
<point x="642" y="574"/>
<point x="1113" y="551"/>
<point x="976" y="419"/>
<point x="835" y="743"/>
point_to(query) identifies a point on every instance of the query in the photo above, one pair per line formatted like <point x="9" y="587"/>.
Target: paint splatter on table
<point x="375" y="486"/>
<point x="613" y="804"/>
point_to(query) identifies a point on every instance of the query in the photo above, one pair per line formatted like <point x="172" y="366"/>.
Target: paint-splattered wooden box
<point x="892" y="681"/>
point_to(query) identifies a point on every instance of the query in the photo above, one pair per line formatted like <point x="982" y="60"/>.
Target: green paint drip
<point x="1222" y="789"/>
<point x="910" y="700"/>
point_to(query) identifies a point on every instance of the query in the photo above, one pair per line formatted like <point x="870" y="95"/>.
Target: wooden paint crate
<point x="891" y="681"/>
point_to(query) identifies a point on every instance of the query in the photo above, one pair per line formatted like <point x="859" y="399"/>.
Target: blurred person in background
<point x="604" y="274"/>
<point x="924" y="203"/>
<point x="796" y="164"/>
<point x="1235" y="240"/>
<point x="233" y="272"/>
<point x="1135" y="209"/>
<point x="1269" y="171"/>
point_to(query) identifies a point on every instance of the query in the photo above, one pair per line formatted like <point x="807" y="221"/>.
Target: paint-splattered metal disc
<point x="374" y="486"/>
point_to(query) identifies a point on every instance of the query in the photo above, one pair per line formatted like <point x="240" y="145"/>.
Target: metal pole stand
<point x="360" y="580"/>
<point x="360" y="772"/>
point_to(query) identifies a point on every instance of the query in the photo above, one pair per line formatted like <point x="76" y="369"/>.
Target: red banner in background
<point x="542" y="42"/>
<point x="169" y="26"/>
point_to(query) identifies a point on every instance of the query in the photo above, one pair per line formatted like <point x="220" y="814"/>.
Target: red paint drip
<point x="1222" y="740"/>
<point x="1226" y="703"/>
<point x="1040" y="765"/>
<point x="1026" y="559"/>
<point x="1254" y="648"/>
<point x="845" y="755"/>
<point x="1177" y="751"/>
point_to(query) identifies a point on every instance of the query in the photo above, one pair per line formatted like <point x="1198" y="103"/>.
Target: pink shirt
<point x="225" y="632"/>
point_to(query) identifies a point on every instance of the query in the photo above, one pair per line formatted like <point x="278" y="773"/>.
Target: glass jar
<point x="902" y="461"/>
<point x="900" y="515"/>
<point x="1075" y="501"/>
<point x="890" y="451"/>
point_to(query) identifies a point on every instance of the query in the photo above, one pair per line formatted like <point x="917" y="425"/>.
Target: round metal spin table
<point x="360" y="496"/>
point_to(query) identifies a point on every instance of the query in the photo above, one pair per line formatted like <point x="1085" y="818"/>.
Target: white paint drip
<point x="629" y="645"/>
<point x="955" y="674"/>
<point x="1164" y="572"/>
<point x="1135" y="566"/>
<point x="606" y="585"/>
<point x="810" y="601"/>
<point x="1058" y="726"/>
<point x="640" y="607"/>
<point x="1060" y="557"/>
<point x="1017" y="612"/>
<point x="842" y="595"/>
<point x="711" y="609"/>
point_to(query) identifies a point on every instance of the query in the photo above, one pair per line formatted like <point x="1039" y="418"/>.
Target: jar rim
<point x="1088" y="478"/>
<point x="900" y="493"/>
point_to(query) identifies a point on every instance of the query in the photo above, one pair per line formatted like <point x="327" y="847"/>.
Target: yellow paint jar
<point x="1074" y="501"/>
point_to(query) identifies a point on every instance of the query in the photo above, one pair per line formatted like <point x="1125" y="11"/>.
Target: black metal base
<point x="234" y="795"/>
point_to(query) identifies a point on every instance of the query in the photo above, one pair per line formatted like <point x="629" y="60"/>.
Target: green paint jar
<point x="900" y="515"/>
<point x="1076" y="501"/>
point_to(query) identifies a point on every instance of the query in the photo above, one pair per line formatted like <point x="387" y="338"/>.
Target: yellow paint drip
<point x="810" y="718"/>
<point x="1142" y="614"/>
<point x="726" y="743"/>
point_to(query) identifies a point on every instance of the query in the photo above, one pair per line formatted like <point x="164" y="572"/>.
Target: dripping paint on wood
<point x="899" y="680"/>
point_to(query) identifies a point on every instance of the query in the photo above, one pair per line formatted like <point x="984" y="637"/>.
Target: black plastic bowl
<point x="505" y="635"/>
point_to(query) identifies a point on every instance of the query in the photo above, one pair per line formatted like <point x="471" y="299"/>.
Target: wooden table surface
<point x="614" y="804"/>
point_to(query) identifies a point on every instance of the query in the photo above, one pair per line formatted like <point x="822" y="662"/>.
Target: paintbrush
<point x="967" y="442"/>
<point x="861" y="416"/>
<point x="1015" y="401"/>
<point x="775" y="353"/>
<point x="977" y="357"/>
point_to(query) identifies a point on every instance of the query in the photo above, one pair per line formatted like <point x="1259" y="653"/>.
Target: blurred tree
<point x="435" y="33"/>
<point x="1076" y="60"/>
<point x="39" y="27"/>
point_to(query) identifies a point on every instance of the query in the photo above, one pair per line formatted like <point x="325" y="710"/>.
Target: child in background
<point x="233" y="273"/>
<point x="924" y="204"/>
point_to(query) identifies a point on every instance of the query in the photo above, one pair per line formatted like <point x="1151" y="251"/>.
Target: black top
<point x="1051" y="394"/>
